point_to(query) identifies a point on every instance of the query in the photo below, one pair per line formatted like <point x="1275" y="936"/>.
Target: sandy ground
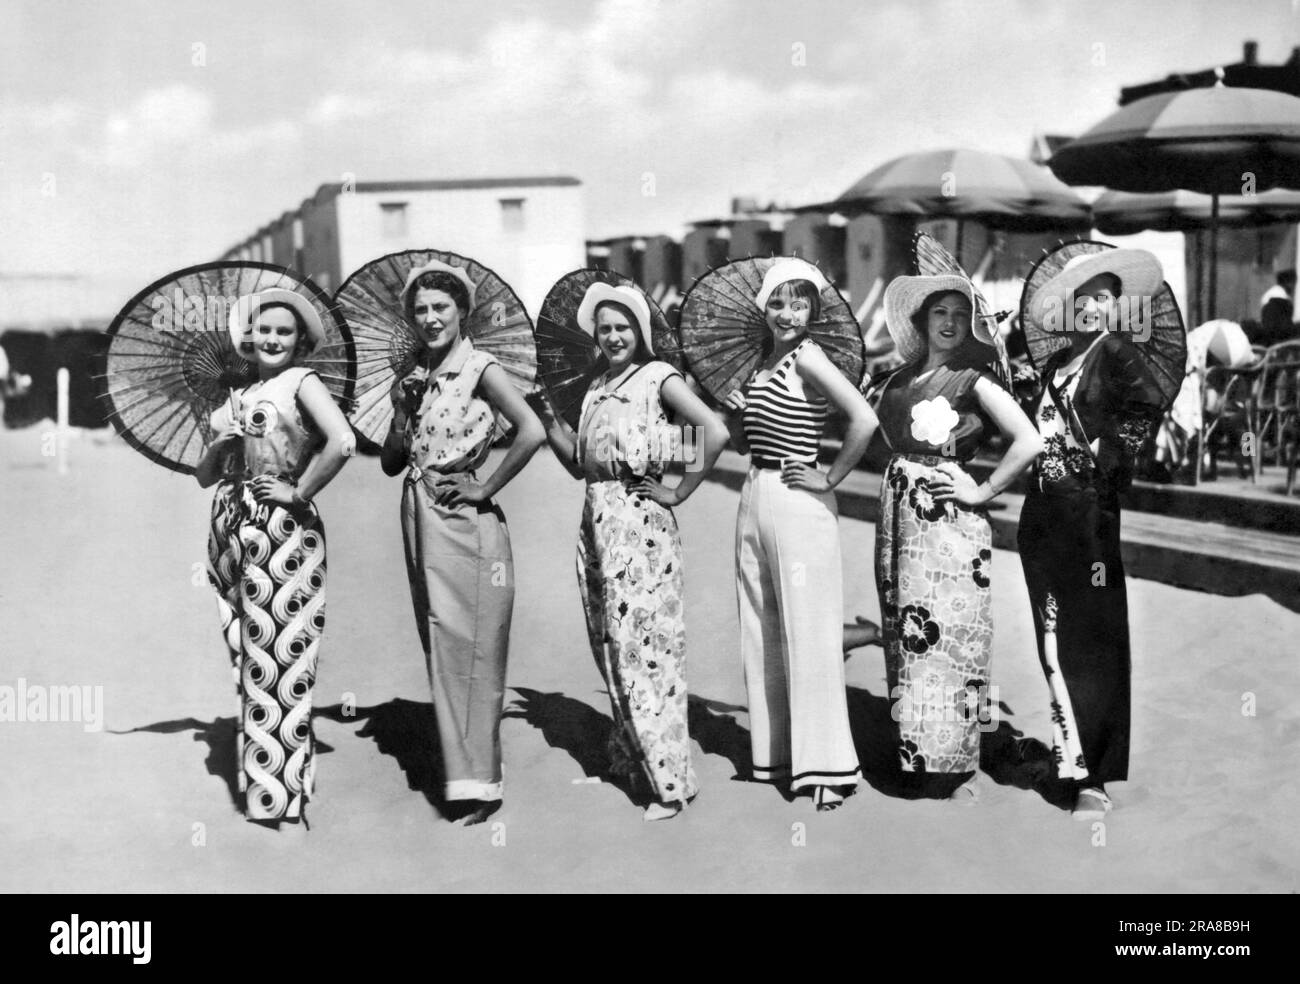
<point x="102" y="585"/>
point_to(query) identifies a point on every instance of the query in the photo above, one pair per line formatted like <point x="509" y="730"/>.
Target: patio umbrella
<point x="1002" y="192"/>
<point x="1218" y="141"/>
<point x="1119" y="213"/>
<point x="1225" y="341"/>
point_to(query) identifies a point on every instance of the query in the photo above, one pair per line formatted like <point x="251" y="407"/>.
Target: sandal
<point x="1091" y="804"/>
<point x="827" y="799"/>
<point x="967" y="794"/>
<point x="661" y="811"/>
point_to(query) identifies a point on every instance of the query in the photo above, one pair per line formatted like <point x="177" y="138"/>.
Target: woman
<point x="788" y="576"/>
<point x="629" y="549"/>
<point x="458" y="556"/>
<point x="933" y="541"/>
<point x="1095" y="407"/>
<point x="267" y="545"/>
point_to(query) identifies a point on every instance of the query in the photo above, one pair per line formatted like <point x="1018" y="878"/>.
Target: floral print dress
<point x="933" y="563"/>
<point x="630" y="579"/>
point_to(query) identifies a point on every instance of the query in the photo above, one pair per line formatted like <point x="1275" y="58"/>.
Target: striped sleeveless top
<point x="780" y="420"/>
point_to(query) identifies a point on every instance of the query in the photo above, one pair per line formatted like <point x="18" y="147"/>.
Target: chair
<point x="1227" y="412"/>
<point x="1277" y="396"/>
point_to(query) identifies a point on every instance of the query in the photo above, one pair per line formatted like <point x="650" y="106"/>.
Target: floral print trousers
<point x="932" y="572"/>
<point x="630" y="579"/>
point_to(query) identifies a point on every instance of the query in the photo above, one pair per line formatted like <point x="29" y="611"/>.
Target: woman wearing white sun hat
<point x="788" y="571"/>
<point x="933" y="540"/>
<point x="629" y="549"/>
<point x="1096" y="405"/>
<point x="267" y="543"/>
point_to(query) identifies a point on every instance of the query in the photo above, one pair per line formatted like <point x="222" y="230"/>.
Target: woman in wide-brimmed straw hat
<point x="933" y="541"/>
<point x="629" y="550"/>
<point x="458" y="556"/>
<point x="1096" y="404"/>
<point x="788" y="572"/>
<point x="267" y="542"/>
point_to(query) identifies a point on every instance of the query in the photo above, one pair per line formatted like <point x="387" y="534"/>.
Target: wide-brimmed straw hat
<point x="625" y="294"/>
<point x="246" y="308"/>
<point x="783" y="271"/>
<point x="437" y="266"/>
<point x="1139" y="273"/>
<point x="904" y="297"/>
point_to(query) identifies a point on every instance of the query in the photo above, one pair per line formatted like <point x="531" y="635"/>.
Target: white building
<point x="529" y="230"/>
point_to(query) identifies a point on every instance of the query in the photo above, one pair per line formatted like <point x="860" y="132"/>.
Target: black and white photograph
<point x="665" y="447"/>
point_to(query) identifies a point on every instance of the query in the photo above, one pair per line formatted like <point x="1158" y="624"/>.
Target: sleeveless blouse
<point x="277" y="439"/>
<point x="937" y="416"/>
<point x="450" y="425"/>
<point x="780" y="419"/>
<point x="623" y="431"/>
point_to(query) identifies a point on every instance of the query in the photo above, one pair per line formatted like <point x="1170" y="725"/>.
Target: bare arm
<point x="392" y="456"/>
<point x="208" y="470"/>
<point x="712" y="438"/>
<point x="733" y="409"/>
<point x="529" y="433"/>
<point x="559" y="435"/>
<point x="1026" y="444"/>
<point x="340" y="443"/>
<point x="818" y="372"/>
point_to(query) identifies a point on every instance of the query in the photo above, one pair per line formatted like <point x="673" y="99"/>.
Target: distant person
<point x="1277" y="311"/>
<point x="11" y="383"/>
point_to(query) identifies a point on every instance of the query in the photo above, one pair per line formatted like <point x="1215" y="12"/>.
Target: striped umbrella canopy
<point x="171" y="361"/>
<point x="568" y="359"/>
<point x="1002" y="192"/>
<point x="1119" y="213"/>
<point x="387" y="345"/>
<point x="1218" y="141"/>
<point x="723" y="332"/>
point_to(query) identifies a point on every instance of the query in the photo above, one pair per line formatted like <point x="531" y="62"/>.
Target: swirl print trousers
<point x="932" y="571"/>
<point x="267" y="565"/>
<point x="630" y="579"/>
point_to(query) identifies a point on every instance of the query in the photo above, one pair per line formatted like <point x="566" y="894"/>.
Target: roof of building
<point x="335" y="188"/>
<point x="328" y="191"/>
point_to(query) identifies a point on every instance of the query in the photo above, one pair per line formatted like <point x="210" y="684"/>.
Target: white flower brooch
<point x="933" y="420"/>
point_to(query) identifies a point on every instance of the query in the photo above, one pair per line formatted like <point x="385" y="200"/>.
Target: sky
<point x="137" y="138"/>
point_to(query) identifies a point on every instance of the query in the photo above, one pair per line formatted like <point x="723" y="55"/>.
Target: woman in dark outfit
<point x="1095" y="405"/>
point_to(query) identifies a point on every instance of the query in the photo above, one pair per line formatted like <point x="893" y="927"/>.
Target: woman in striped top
<point x="788" y="577"/>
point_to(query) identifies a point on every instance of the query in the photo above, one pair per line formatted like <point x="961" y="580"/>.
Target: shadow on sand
<point x="219" y="735"/>
<point x="408" y="731"/>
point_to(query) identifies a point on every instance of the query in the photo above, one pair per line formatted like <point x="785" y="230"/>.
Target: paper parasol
<point x="568" y="359"/>
<point x="171" y="361"/>
<point x="1164" y="348"/>
<point x="388" y="347"/>
<point x="933" y="260"/>
<point x="723" y="332"/>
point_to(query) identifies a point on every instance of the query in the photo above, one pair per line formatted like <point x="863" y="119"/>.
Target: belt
<point x="764" y="463"/>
